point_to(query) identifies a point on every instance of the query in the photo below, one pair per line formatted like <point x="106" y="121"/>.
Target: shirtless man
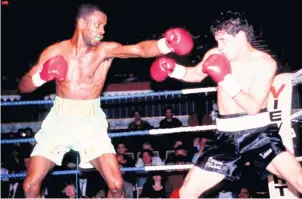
<point x="244" y="76"/>
<point x="79" y="66"/>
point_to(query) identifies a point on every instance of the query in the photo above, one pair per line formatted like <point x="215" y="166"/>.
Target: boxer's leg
<point x="37" y="170"/>
<point x="108" y="166"/>
<point x="287" y="166"/>
<point x="198" y="181"/>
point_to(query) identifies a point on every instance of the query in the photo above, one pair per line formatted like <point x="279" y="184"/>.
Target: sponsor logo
<point x="266" y="153"/>
<point x="214" y="164"/>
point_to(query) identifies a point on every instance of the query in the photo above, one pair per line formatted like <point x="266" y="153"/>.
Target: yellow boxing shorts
<point x="79" y="125"/>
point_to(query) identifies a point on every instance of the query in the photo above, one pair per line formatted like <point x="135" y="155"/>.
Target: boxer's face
<point x="228" y="44"/>
<point x="93" y="28"/>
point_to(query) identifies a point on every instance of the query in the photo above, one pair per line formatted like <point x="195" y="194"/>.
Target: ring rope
<point x="151" y="94"/>
<point x="125" y="169"/>
<point x="131" y="133"/>
<point x="70" y="172"/>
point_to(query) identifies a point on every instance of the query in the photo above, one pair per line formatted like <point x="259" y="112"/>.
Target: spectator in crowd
<point x="170" y="157"/>
<point x="244" y="193"/>
<point x="122" y="149"/>
<point x="138" y="123"/>
<point x="69" y="190"/>
<point x="156" y="160"/>
<point x="154" y="186"/>
<point x="169" y="121"/>
<point x="146" y="159"/>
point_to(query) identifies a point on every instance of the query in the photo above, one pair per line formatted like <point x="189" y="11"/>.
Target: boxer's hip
<point x="73" y="120"/>
<point x="76" y="108"/>
<point x="243" y="121"/>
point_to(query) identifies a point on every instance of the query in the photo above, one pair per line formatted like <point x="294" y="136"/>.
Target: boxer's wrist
<point x="230" y="86"/>
<point x="163" y="47"/>
<point x="37" y="80"/>
<point x="179" y="72"/>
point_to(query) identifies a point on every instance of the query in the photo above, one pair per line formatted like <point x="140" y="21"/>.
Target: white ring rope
<point x="182" y="129"/>
<point x="199" y="90"/>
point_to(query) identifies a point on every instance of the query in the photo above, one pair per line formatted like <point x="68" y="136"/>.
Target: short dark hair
<point x="232" y="23"/>
<point x="146" y="151"/>
<point x="87" y="9"/>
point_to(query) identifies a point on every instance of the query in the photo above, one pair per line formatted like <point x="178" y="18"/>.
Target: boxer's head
<point x="232" y="33"/>
<point x="91" y="21"/>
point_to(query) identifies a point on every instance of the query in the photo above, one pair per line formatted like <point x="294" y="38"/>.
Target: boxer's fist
<point x="177" y="40"/>
<point x="219" y="69"/>
<point x="164" y="67"/>
<point x="54" y="68"/>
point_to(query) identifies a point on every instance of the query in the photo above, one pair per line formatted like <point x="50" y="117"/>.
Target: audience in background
<point x="169" y="121"/>
<point x="138" y="123"/>
<point x="154" y="186"/>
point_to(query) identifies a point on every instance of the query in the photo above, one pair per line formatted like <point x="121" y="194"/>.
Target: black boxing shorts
<point x="241" y="138"/>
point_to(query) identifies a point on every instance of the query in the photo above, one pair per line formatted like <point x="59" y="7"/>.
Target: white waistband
<point x="243" y="122"/>
<point x="76" y="107"/>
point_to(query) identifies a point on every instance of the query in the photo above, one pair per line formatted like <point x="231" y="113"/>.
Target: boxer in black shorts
<point x="253" y="139"/>
<point x="244" y="76"/>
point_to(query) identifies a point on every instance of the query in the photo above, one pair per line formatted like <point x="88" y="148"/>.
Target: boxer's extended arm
<point x="144" y="49"/>
<point x="252" y="101"/>
<point x="175" y="40"/>
<point x="26" y="84"/>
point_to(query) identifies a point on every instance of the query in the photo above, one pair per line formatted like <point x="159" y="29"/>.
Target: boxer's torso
<point x="244" y="72"/>
<point x="87" y="72"/>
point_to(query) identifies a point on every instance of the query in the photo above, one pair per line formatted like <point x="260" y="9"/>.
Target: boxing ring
<point x="279" y="107"/>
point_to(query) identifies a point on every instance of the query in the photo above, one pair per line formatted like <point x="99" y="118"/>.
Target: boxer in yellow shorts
<point x="79" y="66"/>
<point x="74" y="124"/>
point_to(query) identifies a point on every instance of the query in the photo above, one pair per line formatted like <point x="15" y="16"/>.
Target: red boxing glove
<point x="175" y="193"/>
<point x="177" y="40"/>
<point x="164" y="67"/>
<point x="219" y="69"/>
<point x="54" y="68"/>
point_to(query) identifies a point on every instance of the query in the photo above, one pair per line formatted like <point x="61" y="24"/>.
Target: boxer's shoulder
<point x="108" y="45"/>
<point x="263" y="61"/>
<point x="54" y="49"/>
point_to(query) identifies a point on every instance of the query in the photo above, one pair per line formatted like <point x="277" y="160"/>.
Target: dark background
<point x="28" y="26"/>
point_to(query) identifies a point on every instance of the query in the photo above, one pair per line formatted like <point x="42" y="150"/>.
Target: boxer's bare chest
<point x="244" y="73"/>
<point x="86" y="73"/>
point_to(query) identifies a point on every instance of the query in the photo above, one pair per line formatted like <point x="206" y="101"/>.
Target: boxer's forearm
<point x="149" y="49"/>
<point x="193" y="76"/>
<point x="249" y="104"/>
<point x="144" y="49"/>
<point x="26" y="84"/>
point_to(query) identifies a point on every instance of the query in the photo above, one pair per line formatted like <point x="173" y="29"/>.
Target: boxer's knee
<point x="116" y="187"/>
<point x="31" y="186"/>
<point x="187" y="191"/>
<point x="299" y="182"/>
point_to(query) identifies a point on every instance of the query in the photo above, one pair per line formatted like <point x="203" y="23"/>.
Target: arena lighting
<point x="4" y="2"/>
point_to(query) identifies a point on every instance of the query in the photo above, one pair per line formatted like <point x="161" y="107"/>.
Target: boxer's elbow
<point x="253" y="109"/>
<point x="148" y="49"/>
<point x="26" y="85"/>
<point x="24" y="89"/>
